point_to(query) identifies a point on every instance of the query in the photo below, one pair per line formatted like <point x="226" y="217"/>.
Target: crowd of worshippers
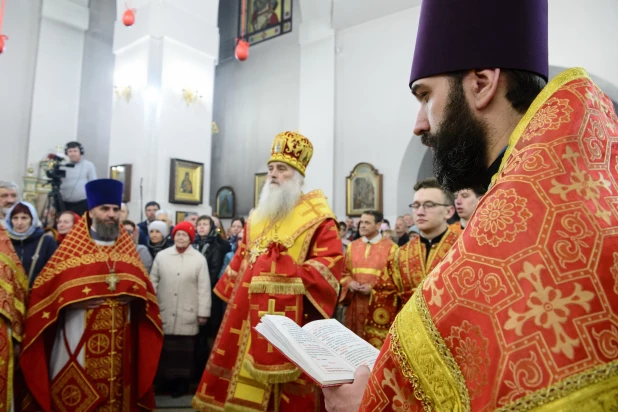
<point x="372" y="250"/>
<point x="206" y="248"/>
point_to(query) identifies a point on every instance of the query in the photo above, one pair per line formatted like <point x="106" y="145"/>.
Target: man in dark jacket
<point x="152" y="207"/>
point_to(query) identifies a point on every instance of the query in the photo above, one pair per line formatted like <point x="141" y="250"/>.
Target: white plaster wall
<point x="128" y="125"/>
<point x="183" y="131"/>
<point x="254" y="101"/>
<point x="375" y="111"/>
<point x="21" y="24"/>
<point x="97" y="84"/>
<point x="584" y="35"/>
<point x="55" y="106"/>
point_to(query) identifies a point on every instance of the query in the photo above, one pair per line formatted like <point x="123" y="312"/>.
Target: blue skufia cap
<point x="458" y="35"/>
<point x="104" y="192"/>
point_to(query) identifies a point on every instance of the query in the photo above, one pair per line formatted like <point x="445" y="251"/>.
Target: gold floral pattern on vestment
<point x="502" y="217"/>
<point x="549" y="309"/>
<point x="554" y="113"/>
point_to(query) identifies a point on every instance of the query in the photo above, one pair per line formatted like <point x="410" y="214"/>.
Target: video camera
<point x="54" y="173"/>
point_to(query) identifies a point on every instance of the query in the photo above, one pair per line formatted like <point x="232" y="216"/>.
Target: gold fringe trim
<point x="200" y="405"/>
<point x="271" y="376"/>
<point x="278" y="286"/>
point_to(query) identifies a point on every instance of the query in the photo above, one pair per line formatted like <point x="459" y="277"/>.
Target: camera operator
<point x="78" y="172"/>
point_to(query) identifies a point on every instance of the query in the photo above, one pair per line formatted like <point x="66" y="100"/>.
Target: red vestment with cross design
<point x="110" y="373"/>
<point x="522" y="312"/>
<point x="290" y="269"/>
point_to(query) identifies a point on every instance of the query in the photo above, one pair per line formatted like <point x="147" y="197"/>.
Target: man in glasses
<point x="432" y="208"/>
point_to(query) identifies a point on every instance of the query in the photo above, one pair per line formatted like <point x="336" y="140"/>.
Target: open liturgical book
<point x="324" y="349"/>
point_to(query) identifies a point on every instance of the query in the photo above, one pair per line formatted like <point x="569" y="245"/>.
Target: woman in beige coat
<point x="180" y="277"/>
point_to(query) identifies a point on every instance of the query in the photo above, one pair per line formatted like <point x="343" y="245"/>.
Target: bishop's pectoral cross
<point x="112" y="280"/>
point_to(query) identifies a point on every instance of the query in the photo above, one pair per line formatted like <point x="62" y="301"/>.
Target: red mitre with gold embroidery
<point x="293" y="149"/>
<point x="79" y="271"/>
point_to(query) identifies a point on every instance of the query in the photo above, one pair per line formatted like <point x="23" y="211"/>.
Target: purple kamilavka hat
<point x="476" y="34"/>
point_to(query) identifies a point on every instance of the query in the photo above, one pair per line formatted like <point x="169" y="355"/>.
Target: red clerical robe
<point x="13" y="291"/>
<point x="365" y="263"/>
<point x="102" y="359"/>
<point x="291" y="268"/>
<point x="522" y="314"/>
<point x="410" y="266"/>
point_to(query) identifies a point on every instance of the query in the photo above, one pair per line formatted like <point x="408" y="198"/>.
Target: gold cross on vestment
<point x="272" y="272"/>
<point x="271" y="309"/>
<point x="112" y="280"/>
<point x="312" y="208"/>
<point x="240" y="331"/>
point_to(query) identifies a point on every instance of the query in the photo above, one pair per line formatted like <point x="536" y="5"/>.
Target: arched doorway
<point x="416" y="165"/>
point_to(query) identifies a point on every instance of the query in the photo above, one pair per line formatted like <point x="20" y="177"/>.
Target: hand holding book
<point x="324" y="349"/>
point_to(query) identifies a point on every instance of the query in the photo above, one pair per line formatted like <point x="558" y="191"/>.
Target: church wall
<point x="254" y="100"/>
<point x="17" y="63"/>
<point x="95" y="111"/>
<point x="375" y="112"/>
<point x="579" y="38"/>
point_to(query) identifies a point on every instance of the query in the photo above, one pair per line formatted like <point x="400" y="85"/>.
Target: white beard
<point x="277" y="201"/>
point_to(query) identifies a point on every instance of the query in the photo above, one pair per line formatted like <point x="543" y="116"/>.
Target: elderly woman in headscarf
<point x="65" y="223"/>
<point x="210" y="244"/>
<point x="31" y="244"/>
<point x="158" y="237"/>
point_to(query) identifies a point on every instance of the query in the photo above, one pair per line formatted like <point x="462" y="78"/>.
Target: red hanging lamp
<point x="3" y="37"/>
<point x="242" y="46"/>
<point x="128" y="17"/>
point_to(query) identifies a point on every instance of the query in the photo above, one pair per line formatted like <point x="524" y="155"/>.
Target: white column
<point x="317" y="92"/>
<point x="57" y="81"/>
<point x="172" y="46"/>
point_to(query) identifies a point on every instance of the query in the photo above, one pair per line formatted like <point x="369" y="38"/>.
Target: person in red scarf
<point x="65" y="223"/>
<point x="90" y="310"/>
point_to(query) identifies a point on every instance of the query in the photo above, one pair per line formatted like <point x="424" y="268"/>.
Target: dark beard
<point x="107" y="232"/>
<point x="459" y="144"/>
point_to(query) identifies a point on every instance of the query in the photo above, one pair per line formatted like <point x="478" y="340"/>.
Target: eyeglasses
<point x="130" y="232"/>
<point x="426" y="205"/>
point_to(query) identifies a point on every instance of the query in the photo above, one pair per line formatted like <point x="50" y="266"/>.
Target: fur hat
<point x="160" y="226"/>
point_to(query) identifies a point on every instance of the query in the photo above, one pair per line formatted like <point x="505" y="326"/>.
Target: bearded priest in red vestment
<point x="522" y="312"/>
<point x="288" y="263"/>
<point x="432" y="208"/>
<point x="93" y="332"/>
<point x="13" y="291"/>
<point x="366" y="263"/>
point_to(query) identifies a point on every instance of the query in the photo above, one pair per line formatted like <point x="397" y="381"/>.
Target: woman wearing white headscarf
<point x="31" y="244"/>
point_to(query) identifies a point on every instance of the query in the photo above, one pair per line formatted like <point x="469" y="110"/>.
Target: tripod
<point x="53" y="204"/>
